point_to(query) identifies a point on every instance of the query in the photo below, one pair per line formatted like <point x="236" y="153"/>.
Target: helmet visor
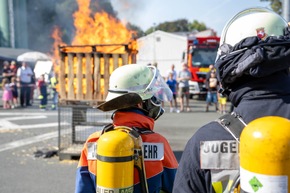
<point x="158" y="87"/>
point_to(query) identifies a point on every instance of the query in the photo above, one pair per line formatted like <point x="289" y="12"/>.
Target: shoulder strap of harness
<point x="143" y="131"/>
<point x="233" y="123"/>
<point x="138" y="152"/>
<point x="110" y="127"/>
<point x="107" y="128"/>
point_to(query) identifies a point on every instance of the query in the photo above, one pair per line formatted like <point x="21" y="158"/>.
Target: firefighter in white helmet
<point x="135" y="94"/>
<point x="253" y="68"/>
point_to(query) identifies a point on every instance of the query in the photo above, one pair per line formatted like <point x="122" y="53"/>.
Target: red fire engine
<point x="201" y="52"/>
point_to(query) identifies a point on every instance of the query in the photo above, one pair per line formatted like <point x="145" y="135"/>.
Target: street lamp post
<point x="154" y="43"/>
<point x="11" y="23"/>
<point x="285" y="10"/>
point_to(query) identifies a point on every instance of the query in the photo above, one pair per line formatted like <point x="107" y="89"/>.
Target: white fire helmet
<point x="258" y="21"/>
<point x="135" y="82"/>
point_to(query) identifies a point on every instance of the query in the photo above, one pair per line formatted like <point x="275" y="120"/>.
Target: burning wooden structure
<point x="101" y="43"/>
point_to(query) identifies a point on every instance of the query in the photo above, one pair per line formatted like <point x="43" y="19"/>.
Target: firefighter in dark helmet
<point x="253" y="68"/>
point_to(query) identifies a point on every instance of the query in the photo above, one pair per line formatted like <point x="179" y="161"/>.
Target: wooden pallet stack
<point x="84" y="71"/>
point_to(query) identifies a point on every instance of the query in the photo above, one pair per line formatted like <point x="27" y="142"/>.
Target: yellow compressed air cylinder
<point x="265" y="156"/>
<point x="115" y="164"/>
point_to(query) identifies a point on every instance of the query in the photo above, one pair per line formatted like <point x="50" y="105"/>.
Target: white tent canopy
<point x="32" y="57"/>
<point x="43" y="68"/>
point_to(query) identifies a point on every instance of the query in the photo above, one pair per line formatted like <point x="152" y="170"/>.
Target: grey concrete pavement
<point x="22" y="172"/>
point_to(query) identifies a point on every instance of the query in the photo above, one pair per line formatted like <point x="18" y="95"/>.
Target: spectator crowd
<point x="19" y="85"/>
<point x="178" y="82"/>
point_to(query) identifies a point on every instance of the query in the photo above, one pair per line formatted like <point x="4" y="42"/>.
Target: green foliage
<point x="150" y="30"/>
<point x="137" y="29"/>
<point x="174" y="26"/>
<point x="195" y="25"/>
<point x="180" y="25"/>
<point x="276" y="5"/>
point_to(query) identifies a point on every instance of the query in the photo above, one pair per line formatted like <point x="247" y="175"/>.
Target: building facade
<point x="13" y="24"/>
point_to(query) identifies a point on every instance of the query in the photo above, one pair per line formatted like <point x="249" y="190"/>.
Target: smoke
<point x="128" y="10"/>
<point x="44" y="15"/>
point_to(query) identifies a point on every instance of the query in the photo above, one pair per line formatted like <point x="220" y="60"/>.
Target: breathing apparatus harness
<point x="234" y="124"/>
<point x="138" y="157"/>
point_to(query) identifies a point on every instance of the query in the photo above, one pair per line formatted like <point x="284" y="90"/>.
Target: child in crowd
<point x="42" y="92"/>
<point x="7" y="94"/>
<point x="13" y="86"/>
<point x="53" y="83"/>
<point x="212" y="88"/>
<point x="222" y="102"/>
<point x="13" y="68"/>
<point x="172" y="83"/>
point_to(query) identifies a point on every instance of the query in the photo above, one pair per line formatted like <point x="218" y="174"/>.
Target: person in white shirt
<point x="183" y="87"/>
<point x="173" y="72"/>
<point x="24" y="74"/>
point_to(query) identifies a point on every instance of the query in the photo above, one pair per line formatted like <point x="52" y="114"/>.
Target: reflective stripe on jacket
<point x="222" y="180"/>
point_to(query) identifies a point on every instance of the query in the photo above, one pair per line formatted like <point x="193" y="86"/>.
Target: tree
<point x="170" y="26"/>
<point x="195" y="25"/>
<point x="180" y="25"/>
<point x="174" y="26"/>
<point x="139" y="32"/>
<point x="276" y="5"/>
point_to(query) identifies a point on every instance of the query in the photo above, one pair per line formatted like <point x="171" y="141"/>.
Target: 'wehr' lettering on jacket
<point x="153" y="151"/>
<point x="219" y="154"/>
<point x="150" y="151"/>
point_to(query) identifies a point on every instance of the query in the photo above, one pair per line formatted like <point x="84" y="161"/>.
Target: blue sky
<point x="214" y="13"/>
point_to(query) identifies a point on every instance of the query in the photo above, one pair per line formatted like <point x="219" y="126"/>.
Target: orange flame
<point x="101" y="29"/>
<point x="56" y="35"/>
